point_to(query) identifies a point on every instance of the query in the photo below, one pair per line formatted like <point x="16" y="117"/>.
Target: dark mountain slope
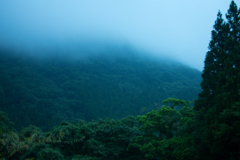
<point x="46" y="91"/>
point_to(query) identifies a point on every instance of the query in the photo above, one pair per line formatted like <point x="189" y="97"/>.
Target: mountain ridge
<point x="46" y="91"/>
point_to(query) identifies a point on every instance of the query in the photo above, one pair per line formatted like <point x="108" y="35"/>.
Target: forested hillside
<point x="45" y="91"/>
<point x="64" y="96"/>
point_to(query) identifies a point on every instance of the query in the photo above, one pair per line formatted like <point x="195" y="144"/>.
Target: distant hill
<point x="46" y="91"/>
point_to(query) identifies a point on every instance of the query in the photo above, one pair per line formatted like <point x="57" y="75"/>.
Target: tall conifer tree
<point x="217" y="108"/>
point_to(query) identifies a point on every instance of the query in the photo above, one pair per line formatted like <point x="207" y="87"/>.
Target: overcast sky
<point x="180" y="29"/>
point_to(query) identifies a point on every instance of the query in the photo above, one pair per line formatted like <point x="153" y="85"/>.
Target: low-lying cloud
<point x="178" y="29"/>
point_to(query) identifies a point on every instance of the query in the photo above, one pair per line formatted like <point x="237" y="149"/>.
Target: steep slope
<point x="46" y="91"/>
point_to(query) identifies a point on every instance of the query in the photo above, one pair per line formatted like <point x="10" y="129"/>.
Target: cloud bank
<point x="178" y="29"/>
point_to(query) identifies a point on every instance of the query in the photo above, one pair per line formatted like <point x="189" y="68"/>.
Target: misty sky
<point x="179" y="29"/>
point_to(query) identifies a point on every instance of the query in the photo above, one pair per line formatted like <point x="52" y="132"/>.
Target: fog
<point x="178" y="29"/>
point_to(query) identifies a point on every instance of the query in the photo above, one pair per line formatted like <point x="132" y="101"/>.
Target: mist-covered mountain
<point x="45" y="91"/>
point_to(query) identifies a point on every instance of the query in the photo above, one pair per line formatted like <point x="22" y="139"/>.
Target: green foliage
<point x="40" y="151"/>
<point x="103" y="139"/>
<point x="84" y="157"/>
<point x="6" y="133"/>
<point x="45" y="92"/>
<point x="5" y="124"/>
<point x="176" y="102"/>
<point x="166" y="134"/>
<point x="50" y="91"/>
<point x="49" y="153"/>
<point x="217" y="108"/>
<point x="29" y="131"/>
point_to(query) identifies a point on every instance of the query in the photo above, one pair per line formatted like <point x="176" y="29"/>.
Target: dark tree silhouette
<point x="217" y="108"/>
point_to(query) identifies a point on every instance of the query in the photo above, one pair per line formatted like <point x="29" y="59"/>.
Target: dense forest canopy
<point x="45" y="91"/>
